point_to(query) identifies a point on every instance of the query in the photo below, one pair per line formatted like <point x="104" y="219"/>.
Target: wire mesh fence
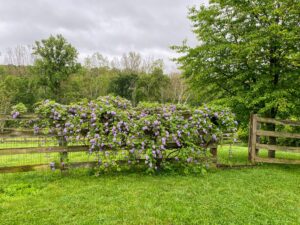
<point x="21" y="149"/>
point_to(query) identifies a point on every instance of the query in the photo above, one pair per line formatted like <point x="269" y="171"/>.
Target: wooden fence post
<point x="258" y="127"/>
<point x="63" y="155"/>
<point x="214" y="152"/>
<point x="252" y="138"/>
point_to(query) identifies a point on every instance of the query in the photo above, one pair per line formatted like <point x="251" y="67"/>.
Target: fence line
<point x="255" y="145"/>
<point x="62" y="147"/>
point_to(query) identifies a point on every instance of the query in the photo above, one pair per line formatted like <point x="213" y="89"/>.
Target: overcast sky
<point x="111" y="27"/>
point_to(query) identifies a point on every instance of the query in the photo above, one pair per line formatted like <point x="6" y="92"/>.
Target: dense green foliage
<point x="56" y="75"/>
<point x="246" y="56"/>
<point x="123" y="85"/>
<point x="143" y="87"/>
<point x="56" y="60"/>
<point x="15" y="89"/>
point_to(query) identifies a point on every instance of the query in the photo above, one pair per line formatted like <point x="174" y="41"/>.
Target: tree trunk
<point x="271" y="127"/>
<point x="275" y="74"/>
<point x="272" y="141"/>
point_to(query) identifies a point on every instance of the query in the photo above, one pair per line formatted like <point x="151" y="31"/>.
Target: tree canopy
<point x="56" y="60"/>
<point x="247" y="55"/>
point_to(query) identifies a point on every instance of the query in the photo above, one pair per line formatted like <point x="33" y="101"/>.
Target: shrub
<point x="154" y="134"/>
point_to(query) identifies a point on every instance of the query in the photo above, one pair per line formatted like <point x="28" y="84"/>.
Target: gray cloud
<point x="110" y="27"/>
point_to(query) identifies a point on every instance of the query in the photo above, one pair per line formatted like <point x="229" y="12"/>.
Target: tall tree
<point x="124" y="85"/>
<point x="152" y="87"/>
<point x="177" y="89"/>
<point x="56" y="60"/>
<point x="246" y="55"/>
<point x="18" y="59"/>
<point x="131" y="62"/>
<point x="96" y="60"/>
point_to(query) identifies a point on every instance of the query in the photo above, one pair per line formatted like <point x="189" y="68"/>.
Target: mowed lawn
<point x="265" y="194"/>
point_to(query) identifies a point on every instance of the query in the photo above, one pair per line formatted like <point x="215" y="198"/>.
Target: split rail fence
<point x="20" y="137"/>
<point x="255" y="136"/>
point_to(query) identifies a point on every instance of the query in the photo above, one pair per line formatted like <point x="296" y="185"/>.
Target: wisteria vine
<point x="154" y="134"/>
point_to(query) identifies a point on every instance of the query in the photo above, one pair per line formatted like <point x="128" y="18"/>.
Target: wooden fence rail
<point x="7" y="135"/>
<point x="256" y="132"/>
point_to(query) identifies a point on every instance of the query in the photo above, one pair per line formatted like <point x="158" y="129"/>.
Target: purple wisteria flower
<point x="189" y="160"/>
<point x="163" y="140"/>
<point x="178" y="143"/>
<point x="179" y="133"/>
<point x="156" y="123"/>
<point x="15" y="114"/>
<point x="52" y="166"/>
<point x="214" y="137"/>
<point x="36" y="129"/>
<point x="167" y="134"/>
<point x="173" y="108"/>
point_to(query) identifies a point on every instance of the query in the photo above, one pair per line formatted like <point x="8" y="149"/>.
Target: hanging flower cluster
<point x="17" y="110"/>
<point x="150" y="133"/>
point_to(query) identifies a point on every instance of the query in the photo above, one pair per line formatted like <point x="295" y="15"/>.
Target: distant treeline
<point x="50" y="70"/>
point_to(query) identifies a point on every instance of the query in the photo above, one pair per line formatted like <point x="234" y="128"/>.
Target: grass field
<point x="265" y="194"/>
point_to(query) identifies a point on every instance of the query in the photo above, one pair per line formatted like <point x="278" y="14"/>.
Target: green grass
<point x="265" y="194"/>
<point x="239" y="155"/>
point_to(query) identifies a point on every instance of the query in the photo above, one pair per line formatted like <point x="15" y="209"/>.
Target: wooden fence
<point x="61" y="147"/>
<point x="256" y="132"/>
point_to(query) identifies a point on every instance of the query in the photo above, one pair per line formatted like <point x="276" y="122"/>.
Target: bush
<point x="154" y="134"/>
